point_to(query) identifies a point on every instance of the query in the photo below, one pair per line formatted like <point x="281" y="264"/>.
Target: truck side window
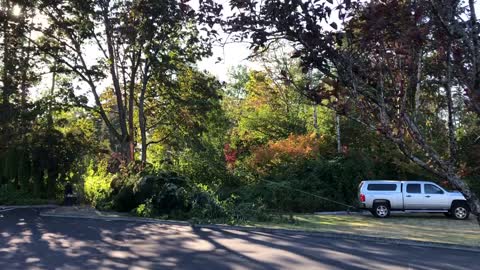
<point x="431" y="189"/>
<point x="413" y="188"/>
<point x="382" y="187"/>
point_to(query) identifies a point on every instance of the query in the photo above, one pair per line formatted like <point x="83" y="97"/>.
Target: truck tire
<point x="460" y="211"/>
<point x="381" y="210"/>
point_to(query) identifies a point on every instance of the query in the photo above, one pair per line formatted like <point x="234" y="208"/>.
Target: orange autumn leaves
<point x="291" y="149"/>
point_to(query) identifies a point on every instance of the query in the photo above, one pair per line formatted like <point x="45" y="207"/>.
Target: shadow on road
<point x="28" y="241"/>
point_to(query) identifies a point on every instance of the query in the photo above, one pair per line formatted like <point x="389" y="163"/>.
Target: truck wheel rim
<point x="460" y="212"/>
<point x="382" y="210"/>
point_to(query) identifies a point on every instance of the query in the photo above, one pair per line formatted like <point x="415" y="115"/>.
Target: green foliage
<point x="9" y="195"/>
<point x="302" y="185"/>
<point x="294" y="187"/>
<point x="151" y="193"/>
<point x="145" y="209"/>
<point x="165" y="194"/>
<point x="182" y="109"/>
<point x="97" y="184"/>
<point x="206" y="205"/>
<point x="265" y="112"/>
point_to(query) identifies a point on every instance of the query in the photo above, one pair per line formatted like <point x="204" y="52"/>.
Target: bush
<point x="97" y="184"/>
<point x="145" y="209"/>
<point x="149" y="194"/>
<point x="167" y="191"/>
<point x="166" y="194"/>
<point x="285" y="151"/>
<point x="9" y="195"/>
<point x="207" y="207"/>
<point x="250" y="211"/>
<point x="300" y="186"/>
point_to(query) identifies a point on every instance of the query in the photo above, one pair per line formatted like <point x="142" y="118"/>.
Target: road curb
<point x="332" y="235"/>
<point x="28" y="206"/>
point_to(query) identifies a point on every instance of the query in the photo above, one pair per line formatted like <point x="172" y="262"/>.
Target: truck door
<point x="435" y="197"/>
<point x="413" y="197"/>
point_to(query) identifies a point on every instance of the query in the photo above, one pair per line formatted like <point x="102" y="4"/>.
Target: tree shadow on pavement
<point x="28" y="241"/>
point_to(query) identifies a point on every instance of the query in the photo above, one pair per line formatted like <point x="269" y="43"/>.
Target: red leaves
<point x="230" y="155"/>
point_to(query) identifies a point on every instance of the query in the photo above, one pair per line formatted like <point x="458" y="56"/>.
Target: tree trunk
<point x="315" y="119"/>
<point x="127" y="139"/>
<point x="338" y="135"/>
<point x="418" y="86"/>
<point x="143" y="132"/>
<point x="475" y="91"/>
<point x="24" y="84"/>
<point x="471" y="197"/>
<point x="131" y="100"/>
<point x="452" y="140"/>
<point x="52" y="91"/>
<point x="7" y="83"/>
<point x="141" y="112"/>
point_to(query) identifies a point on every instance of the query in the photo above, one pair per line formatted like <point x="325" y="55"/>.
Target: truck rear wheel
<point x="460" y="211"/>
<point x="381" y="210"/>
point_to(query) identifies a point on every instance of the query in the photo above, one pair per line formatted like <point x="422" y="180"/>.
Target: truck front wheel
<point x="460" y="211"/>
<point x="381" y="210"/>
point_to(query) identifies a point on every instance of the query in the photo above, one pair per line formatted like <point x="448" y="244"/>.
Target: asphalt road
<point x="28" y="241"/>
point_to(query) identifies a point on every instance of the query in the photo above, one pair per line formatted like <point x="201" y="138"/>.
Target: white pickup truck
<point x="381" y="197"/>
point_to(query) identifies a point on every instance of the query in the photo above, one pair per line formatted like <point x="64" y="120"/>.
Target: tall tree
<point x="389" y="55"/>
<point x="134" y="40"/>
<point x="18" y="74"/>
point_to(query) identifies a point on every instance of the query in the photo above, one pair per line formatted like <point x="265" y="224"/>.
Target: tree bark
<point x="52" y="91"/>
<point x="143" y="130"/>
<point x="472" y="199"/>
<point x="24" y="84"/>
<point x="418" y="86"/>
<point x="7" y="82"/>
<point x="315" y="119"/>
<point x="131" y="101"/>
<point x="337" y="133"/>
<point x="126" y="138"/>
<point x="475" y="91"/>
<point x="452" y="140"/>
<point x="141" y="112"/>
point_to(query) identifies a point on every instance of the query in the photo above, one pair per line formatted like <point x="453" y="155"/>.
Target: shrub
<point x="9" y="195"/>
<point x="97" y="184"/>
<point x="300" y="186"/>
<point x="275" y="153"/>
<point x="145" y="209"/>
<point x="206" y="205"/>
<point x="167" y="191"/>
<point x="168" y="195"/>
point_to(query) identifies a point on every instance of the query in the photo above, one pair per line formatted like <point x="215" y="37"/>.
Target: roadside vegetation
<point x="108" y="96"/>
<point x="418" y="227"/>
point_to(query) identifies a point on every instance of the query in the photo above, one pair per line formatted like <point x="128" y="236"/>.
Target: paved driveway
<point x="28" y="241"/>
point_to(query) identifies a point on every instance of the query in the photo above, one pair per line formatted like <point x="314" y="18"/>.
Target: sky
<point x="231" y="54"/>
